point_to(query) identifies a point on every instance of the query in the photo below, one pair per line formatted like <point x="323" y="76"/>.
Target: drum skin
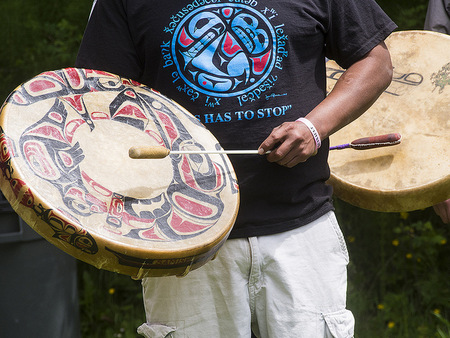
<point x="65" y="137"/>
<point x="416" y="173"/>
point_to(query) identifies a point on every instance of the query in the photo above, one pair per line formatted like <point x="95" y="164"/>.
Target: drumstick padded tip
<point x="376" y="141"/>
<point x="148" y="152"/>
<point x="371" y="142"/>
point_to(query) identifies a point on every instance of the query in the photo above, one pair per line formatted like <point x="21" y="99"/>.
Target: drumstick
<point x="162" y="152"/>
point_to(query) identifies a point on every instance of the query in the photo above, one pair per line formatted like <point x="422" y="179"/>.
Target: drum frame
<point x="91" y="246"/>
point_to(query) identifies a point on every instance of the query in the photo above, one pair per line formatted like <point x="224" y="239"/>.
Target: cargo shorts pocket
<point x="340" y="324"/>
<point x="155" y="330"/>
<point x="339" y="236"/>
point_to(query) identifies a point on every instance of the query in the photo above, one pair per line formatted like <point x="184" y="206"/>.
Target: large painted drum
<point x="416" y="173"/>
<point x="65" y="138"/>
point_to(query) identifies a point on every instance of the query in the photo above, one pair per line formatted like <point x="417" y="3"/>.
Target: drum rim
<point x="418" y="32"/>
<point x="391" y="200"/>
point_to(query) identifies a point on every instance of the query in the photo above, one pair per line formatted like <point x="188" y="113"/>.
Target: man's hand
<point x="443" y="210"/>
<point x="290" y="143"/>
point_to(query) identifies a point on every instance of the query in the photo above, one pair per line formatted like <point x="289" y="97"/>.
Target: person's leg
<point x="211" y="301"/>
<point x="304" y="281"/>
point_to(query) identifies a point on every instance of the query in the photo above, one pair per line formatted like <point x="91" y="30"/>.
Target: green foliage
<point x="407" y="14"/>
<point x="398" y="276"/>
<point x="443" y="331"/>
<point x="38" y="36"/>
<point x="111" y="304"/>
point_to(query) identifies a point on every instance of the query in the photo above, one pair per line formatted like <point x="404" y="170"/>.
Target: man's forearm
<point x="356" y="90"/>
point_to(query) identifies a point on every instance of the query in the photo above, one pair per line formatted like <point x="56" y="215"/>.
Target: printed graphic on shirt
<point x="226" y="51"/>
<point x="223" y="51"/>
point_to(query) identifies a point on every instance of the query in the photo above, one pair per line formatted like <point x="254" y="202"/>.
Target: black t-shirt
<point x="242" y="67"/>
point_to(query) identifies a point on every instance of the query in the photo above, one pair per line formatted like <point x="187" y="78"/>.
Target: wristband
<point x="313" y="131"/>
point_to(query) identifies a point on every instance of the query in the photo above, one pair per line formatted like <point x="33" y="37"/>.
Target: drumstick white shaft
<point x="228" y="152"/>
<point x="161" y="152"/>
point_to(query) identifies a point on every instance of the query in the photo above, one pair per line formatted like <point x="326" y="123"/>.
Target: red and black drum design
<point x="65" y="137"/>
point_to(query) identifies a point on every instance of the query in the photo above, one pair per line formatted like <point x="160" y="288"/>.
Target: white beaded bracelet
<point x="313" y="131"/>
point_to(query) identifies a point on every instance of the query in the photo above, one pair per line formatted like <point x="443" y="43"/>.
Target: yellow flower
<point x="380" y="306"/>
<point x="409" y="255"/>
<point x="437" y="311"/>
<point x="395" y="242"/>
<point x="391" y="325"/>
<point x="444" y="241"/>
<point x="404" y="215"/>
<point x="112" y="291"/>
<point x="351" y="239"/>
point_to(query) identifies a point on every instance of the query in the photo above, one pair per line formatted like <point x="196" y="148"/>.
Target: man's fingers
<point x="290" y="144"/>
<point x="272" y="141"/>
<point x="443" y="210"/>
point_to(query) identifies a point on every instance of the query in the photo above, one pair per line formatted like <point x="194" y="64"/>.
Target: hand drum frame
<point x="416" y="173"/>
<point x="65" y="137"/>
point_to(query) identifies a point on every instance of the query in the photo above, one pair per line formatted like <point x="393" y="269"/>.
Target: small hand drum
<point x="65" y="139"/>
<point x="416" y="173"/>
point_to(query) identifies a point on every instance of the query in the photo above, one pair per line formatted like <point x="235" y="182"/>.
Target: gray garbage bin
<point x="38" y="283"/>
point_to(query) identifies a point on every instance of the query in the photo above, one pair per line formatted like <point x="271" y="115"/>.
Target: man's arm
<point x="356" y="90"/>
